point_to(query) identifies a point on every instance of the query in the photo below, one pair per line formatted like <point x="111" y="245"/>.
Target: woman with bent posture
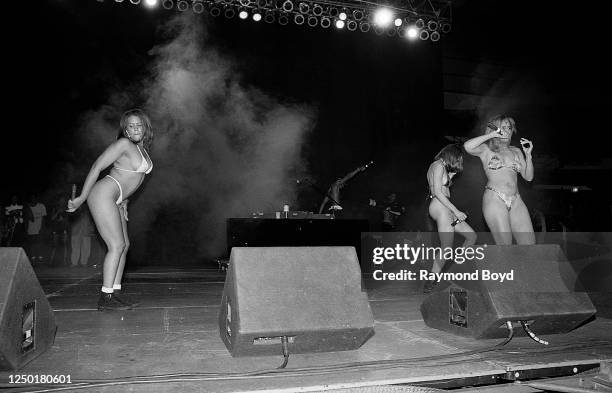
<point x="107" y="198"/>
<point x="502" y="206"/>
<point x="448" y="162"/>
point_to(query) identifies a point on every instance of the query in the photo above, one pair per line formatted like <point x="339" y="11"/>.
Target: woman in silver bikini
<point x="502" y="206"/>
<point x="107" y="198"/>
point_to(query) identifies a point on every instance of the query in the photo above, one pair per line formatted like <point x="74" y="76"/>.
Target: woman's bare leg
<point x="106" y="215"/>
<point x="126" y="239"/>
<point x="465" y="230"/>
<point x="497" y="218"/>
<point x="520" y="222"/>
<point x="446" y="232"/>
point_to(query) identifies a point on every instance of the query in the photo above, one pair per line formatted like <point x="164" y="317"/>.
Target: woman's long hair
<point x="452" y="155"/>
<point x="147" y="138"/>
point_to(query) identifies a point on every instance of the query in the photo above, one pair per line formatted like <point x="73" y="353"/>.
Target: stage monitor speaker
<point x="27" y="326"/>
<point x="311" y="295"/>
<point x="541" y="291"/>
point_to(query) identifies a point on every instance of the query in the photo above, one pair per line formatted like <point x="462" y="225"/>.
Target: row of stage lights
<point x="382" y="20"/>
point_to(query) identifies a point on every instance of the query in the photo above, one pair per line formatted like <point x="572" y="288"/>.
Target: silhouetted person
<point x="59" y="228"/>
<point x="35" y="213"/>
<point x="14" y="223"/>
<point x="81" y="232"/>
<point x="334" y="191"/>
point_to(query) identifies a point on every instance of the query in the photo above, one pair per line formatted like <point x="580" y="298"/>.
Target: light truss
<point x="429" y="19"/>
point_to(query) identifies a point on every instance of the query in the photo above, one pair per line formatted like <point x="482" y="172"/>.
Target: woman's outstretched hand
<point x="74" y="204"/>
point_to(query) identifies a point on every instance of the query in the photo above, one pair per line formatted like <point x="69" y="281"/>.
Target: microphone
<point x="492" y="126"/>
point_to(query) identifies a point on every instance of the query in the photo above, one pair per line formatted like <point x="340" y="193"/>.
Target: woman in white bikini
<point x="107" y="198"/>
<point x="502" y="206"/>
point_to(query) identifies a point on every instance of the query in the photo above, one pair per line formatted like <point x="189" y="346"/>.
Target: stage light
<point x="574" y="189"/>
<point x="243" y="14"/>
<point x="312" y="21"/>
<point x="325" y="22"/>
<point x="358" y="15"/>
<point x="257" y="16"/>
<point x="304" y="8"/>
<point x="383" y="17"/>
<point x="182" y="5"/>
<point x="229" y="13"/>
<point x="420" y="23"/>
<point x="118" y="1"/>
<point x="150" y="3"/>
<point x="317" y="10"/>
<point x="412" y="32"/>
<point x="333" y="12"/>
<point x="398" y="22"/>
<point x="435" y="36"/>
<point x="262" y="3"/>
<point x="391" y="32"/>
<point x="167" y="4"/>
<point x="269" y="17"/>
<point x="215" y="11"/>
<point x="198" y="7"/>
<point x="283" y="19"/>
<point x="378" y="30"/>
<point x="423" y="34"/>
<point x="351" y="25"/>
<point x="135" y="2"/>
<point x="298" y="19"/>
<point x="445" y="27"/>
<point x="432" y="25"/>
<point x="287" y="6"/>
<point x="340" y="24"/>
<point x="364" y="27"/>
<point x="245" y="3"/>
<point x="342" y="16"/>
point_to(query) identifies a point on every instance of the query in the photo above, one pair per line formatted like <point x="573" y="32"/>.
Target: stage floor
<point x="174" y="331"/>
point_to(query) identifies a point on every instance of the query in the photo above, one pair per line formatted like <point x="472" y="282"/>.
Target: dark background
<point x="376" y="97"/>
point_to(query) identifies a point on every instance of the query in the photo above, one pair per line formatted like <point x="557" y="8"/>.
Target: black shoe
<point x="124" y="300"/>
<point x="108" y="301"/>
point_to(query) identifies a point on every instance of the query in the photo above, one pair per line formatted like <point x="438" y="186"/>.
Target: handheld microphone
<point x="492" y="126"/>
<point x="457" y="221"/>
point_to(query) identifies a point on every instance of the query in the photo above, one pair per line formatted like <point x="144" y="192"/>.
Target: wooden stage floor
<point x="174" y="331"/>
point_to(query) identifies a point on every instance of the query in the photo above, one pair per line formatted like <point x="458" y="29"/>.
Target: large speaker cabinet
<point x="27" y="326"/>
<point x="541" y="293"/>
<point x="311" y="295"/>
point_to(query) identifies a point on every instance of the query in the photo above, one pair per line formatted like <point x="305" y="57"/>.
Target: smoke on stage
<point x="221" y="149"/>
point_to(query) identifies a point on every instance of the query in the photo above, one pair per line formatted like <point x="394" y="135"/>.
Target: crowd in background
<point x="49" y="235"/>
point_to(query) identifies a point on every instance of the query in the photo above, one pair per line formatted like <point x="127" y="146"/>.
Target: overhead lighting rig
<point x="412" y="19"/>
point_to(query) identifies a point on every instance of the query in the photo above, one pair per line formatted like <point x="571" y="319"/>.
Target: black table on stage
<point x="273" y="232"/>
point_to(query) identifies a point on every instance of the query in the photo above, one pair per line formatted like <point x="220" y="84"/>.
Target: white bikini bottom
<point x="120" y="202"/>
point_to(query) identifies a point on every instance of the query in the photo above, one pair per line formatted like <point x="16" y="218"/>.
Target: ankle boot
<point x="108" y="301"/>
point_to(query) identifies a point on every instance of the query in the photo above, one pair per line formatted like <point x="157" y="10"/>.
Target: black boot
<point x="124" y="299"/>
<point x="108" y="301"/>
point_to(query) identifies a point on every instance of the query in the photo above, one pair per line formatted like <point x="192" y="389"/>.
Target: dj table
<point x="270" y="232"/>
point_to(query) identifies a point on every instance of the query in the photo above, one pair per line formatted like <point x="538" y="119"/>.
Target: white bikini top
<point x="144" y="165"/>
